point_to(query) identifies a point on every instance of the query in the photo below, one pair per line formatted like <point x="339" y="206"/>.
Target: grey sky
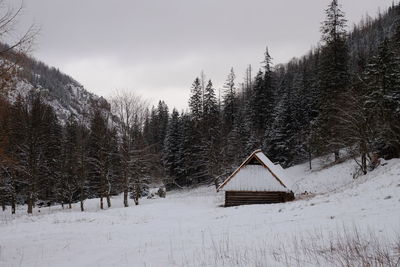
<point x="157" y="47"/>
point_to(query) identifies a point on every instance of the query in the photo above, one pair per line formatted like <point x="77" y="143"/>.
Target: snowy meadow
<point x="339" y="221"/>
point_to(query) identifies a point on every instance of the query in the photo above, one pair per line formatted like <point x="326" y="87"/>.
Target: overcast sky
<point x="157" y="47"/>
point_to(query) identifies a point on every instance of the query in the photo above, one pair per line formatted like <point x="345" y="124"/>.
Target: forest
<point x="344" y="95"/>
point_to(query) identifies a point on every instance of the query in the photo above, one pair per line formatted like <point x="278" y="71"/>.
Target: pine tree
<point x="29" y="139"/>
<point x="257" y="104"/>
<point x="229" y="102"/>
<point x="210" y="105"/>
<point x="115" y="169"/>
<point x="99" y="158"/>
<point x="52" y="156"/>
<point x="7" y="188"/>
<point x="199" y="133"/>
<point x="333" y="79"/>
<point x="262" y="98"/>
<point x="196" y="100"/>
<point x="212" y="135"/>
<point x="162" y="123"/>
<point x="357" y="123"/>
<point x="186" y="150"/>
<point x="172" y="147"/>
<point x="383" y="97"/>
<point x="277" y="139"/>
<point x="83" y="161"/>
<point x="68" y="185"/>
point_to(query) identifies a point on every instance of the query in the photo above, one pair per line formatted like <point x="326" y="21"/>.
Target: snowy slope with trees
<point x="190" y="228"/>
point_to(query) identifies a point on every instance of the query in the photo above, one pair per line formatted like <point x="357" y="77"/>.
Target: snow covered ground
<point x="189" y="228"/>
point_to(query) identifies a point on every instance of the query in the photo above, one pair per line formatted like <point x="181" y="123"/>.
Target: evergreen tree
<point x="383" y="97"/>
<point x="229" y="102"/>
<point x="277" y="139"/>
<point x="7" y="187"/>
<point x="267" y="97"/>
<point x="99" y="158"/>
<point x="212" y="135"/>
<point x="196" y="100"/>
<point x="83" y="161"/>
<point x="186" y="150"/>
<point x="333" y="79"/>
<point x="28" y="138"/>
<point x="162" y="123"/>
<point x="52" y="156"/>
<point x="68" y="185"/>
<point x="262" y="98"/>
<point x="256" y="104"/>
<point x="210" y="106"/>
<point x="172" y="147"/>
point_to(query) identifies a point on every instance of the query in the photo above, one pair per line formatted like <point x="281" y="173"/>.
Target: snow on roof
<point x="275" y="168"/>
<point x="264" y="177"/>
<point x="254" y="178"/>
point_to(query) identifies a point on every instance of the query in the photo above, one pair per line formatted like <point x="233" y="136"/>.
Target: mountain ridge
<point x="66" y="95"/>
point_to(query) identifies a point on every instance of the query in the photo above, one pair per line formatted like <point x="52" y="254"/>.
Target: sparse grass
<point x="344" y="248"/>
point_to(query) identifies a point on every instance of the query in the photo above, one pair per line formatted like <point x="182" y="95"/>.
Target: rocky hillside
<point x="62" y="92"/>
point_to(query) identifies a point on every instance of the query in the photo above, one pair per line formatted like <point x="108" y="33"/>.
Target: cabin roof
<point x="264" y="176"/>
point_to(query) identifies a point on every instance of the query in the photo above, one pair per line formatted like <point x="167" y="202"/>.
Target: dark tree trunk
<point x="70" y="205"/>
<point x="101" y="203"/>
<point x="126" y="204"/>
<point x="216" y="183"/>
<point x="364" y="163"/>
<point x="136" y="194"/>
<point x="13" y="208"/>
<point x="108" y="201"/>
<point x="30" y="205"/>
<point x="81" y="199"/>
<point x="126" y="189"/>
<point x="3" y="205"/>
<point x="337" y="156"/>
<point x="310" y="160"/>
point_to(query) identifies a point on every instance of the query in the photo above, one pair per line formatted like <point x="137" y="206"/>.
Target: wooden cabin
<point x="256" y="181"/>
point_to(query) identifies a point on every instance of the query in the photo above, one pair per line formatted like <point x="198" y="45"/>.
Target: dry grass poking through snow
<point x="344" y="248"/>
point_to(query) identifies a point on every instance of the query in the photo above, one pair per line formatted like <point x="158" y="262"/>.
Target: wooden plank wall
<point x="236" y="198"/>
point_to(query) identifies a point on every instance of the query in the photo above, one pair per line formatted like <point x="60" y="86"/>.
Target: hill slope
<point x="62" y="92"/>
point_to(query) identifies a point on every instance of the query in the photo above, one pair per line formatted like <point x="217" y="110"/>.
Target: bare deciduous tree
<point x="130" y="110"/>
<point x="13" y="46"/>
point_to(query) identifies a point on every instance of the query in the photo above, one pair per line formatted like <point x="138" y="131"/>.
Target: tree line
<point x="343" y="95"/>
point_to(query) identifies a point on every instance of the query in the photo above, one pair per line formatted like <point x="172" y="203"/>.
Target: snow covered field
<point x="189" y="228"/>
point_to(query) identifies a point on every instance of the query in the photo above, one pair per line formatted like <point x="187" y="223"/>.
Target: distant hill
<point x="62" y="92"/>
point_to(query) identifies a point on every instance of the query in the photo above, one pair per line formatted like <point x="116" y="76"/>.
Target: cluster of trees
<point x="99" y="155"/>
<point x="344" y="94"/>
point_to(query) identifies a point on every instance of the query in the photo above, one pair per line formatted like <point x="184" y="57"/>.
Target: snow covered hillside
<point x="74" y="100"/>
<point x="60" y="91"/>
<point x="189" y="228"/>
